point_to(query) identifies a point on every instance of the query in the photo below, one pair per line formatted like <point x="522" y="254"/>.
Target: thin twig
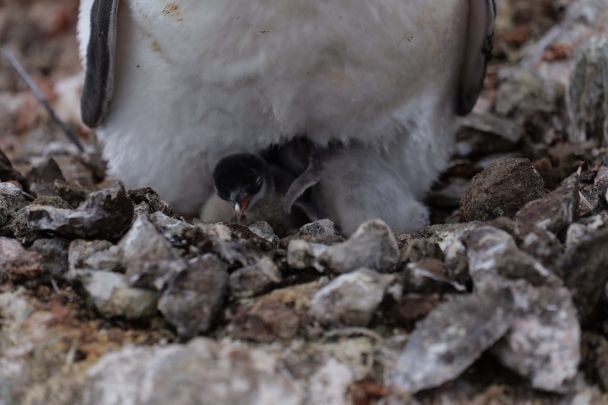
<point x="22" y="72"/>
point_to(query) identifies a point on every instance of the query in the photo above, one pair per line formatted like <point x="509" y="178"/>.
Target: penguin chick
<point x="351" y="185"/>
<point x="242" y="180"/>
<point x="249" y="189"/>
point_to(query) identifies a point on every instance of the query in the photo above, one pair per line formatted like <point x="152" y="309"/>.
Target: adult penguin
<point x="172" y="87"/>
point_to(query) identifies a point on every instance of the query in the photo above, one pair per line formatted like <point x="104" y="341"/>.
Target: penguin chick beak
<point x="240" y="206"/>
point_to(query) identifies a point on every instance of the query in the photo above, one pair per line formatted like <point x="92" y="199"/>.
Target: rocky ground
<point x="107" y="297"/>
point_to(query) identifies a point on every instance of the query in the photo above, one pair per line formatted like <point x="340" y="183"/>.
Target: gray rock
<point x="112" y="296"/>
<point x="12" y="198"/>
<point x="54" y="253"/>
<point x="543" y="343"/>
<point x="583" y="269"/>
<point x="172" y="229"/>
<point x="552" y="213"/>
<point x="480" y="135"/>
<point x="151" y="199"/>
<point x="502" y="190"/>
<point x="195" y="296"/>
<point x="201" y="372"/>
<point x="149" y="259"/>
<point x="585" y="229"/>
<point x="265" y="231"/>
<point x="236" y="245"/>
<point x="322" y="231"/>
<point x="451" y="338"/>
<point x="97" y="255"/>
<point x="372" y="246"/>
<point x="542" y="245"/>
<point x="492" y="252"/>
<point x="256" y="279"/>
<point x="105" y="214"/>
<point x="351" y="299"/>
<point x="587" y="99"/>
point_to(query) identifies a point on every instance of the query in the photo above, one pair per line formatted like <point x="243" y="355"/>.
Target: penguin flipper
<point x="478" y="49"/>
<point x="310" y="177"/>
<point x="99" y="62"/>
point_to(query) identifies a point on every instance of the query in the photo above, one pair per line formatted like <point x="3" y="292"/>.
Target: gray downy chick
<point x="351" y="185"/>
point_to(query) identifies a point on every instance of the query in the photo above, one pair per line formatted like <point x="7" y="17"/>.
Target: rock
<point x="152" y="199"/>
<point x="96" y="255"/>
<point x="149" y="259"/>
<point x="54" y="253"/>
<point x="9" y="173"/>
<point x="105" y="214"/>
<point x="542" y="245"/>
<point x="429" y="276"/>
<point x="502" y="190"/>
<point x="172" y="229"/>
<point x="585" y="229"/>
<point x="411" y="308"/>
<point x="351" y="299"/>
<point x="194" y="298"/>
<point x="450" y="339"/>
<point x="12" y="198"/>
<point x="587" y="99"/>
<point x="43" y="176"/>
<point x="372" y="246"/>
<point x="583" y="269"/>
<point x="417" y="249"/>
<point x="543" y="343"/>
<point x="481" y="135"/>
<point x="112" y="296"/>
<point x="322" y="231"/>
<point x="493" y="252"/>
<point x="552" y="213"/>
<point x="256" y="279"/>
<point x="266" y="321"/>
<point x="265" y="231"/>
<point x="237" y="245"/>
<point x="595" y="358"/>
<point x="203" y="371"/>
<point x="16" y="263"/>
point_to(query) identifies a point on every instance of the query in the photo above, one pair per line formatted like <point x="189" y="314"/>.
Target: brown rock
<point x="266" y="321"/>
<point x="502" y="190"/>
<point x="16" y="263"/>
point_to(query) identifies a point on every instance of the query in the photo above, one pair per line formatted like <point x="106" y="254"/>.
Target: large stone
<point x="451" y="338"/>
<point x="502" y="190"/>
<point x="202" y="372"/>
<point x="12" y="198"/>
<point x="492" y="252"/>
<point x="112" y="296"/>
<point x="351" y="299"/>
<point x="256" y="279"/>
<point x="588" y="92"/>
<point x="149" y="258"/>
<point x="543" y="343"/>
<point x="372" y="246"/>
<point x="194" y="298"/>
<point x="105" y="214"/>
